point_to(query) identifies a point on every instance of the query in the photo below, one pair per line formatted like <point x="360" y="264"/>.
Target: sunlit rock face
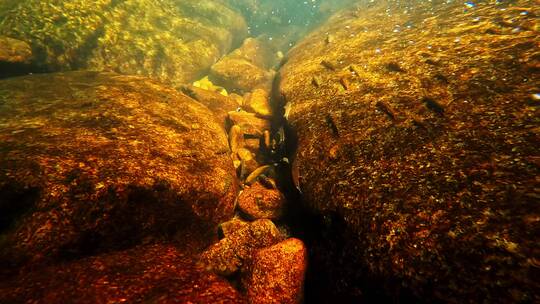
<point x="418" y="146"/>
<point x="173" y="41"/>
<point x="92" y="162"/>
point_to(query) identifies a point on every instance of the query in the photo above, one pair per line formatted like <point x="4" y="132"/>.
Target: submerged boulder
<point x="15" y="57"/>
<point x="418" y="150"/>
<point x="148" y="274"/>
<point x="276" y="273"/>
<point x="246" y="68"/>
<point x="233" y="252"/>
<point x="97" y="161"/>
<point x="14" y="51"/>
<point x="173" y="41"/>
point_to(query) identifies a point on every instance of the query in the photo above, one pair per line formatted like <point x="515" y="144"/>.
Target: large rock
<point x="14" y="51"/>
<point x="276" y="274"/>
<point x="15" y="57"/>
<point x="246" y="68"/>
<point x="147" y="274"/>
<point x="258" y="202"/>
<point x="234" y="251"/>
<point x="173" y="41"/>
<point x="92" y="161"/>
<point x="418" y="146"/>
<point x="220" y="105"/>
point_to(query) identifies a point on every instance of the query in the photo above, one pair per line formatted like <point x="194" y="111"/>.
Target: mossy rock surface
<point x="418" y="143"/>
<point x="93" y="161"/>
<point x="171" y="41"/>
<point x="159" y="273"/>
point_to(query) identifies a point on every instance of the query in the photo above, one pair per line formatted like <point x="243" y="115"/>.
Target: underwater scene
<point x="269" y="151"/>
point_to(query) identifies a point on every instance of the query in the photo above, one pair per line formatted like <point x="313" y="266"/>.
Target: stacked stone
<point x="268" y="265"/>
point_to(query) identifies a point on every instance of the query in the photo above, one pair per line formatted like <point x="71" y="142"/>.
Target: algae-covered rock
<point x="171" y="41"/>
<point x="259" y="103"/>
<point x="233" y="252"/>
<point x="220" y="105"/>
<point x="15" y="57"/>
<point x="276" y="274"/>
<point x="14" y="51"/>
<point x="246" y="68"/>
<point x="249" y="123"/>
<point x="148" y="274"/>
<point x="258" y="201"/>
<point x="93" y="161"/>
<point x="418" y="149"/>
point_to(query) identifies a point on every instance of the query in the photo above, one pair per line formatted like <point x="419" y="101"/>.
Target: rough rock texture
<point x="276" y="273"/>
<point x="229" y="227"/>
<point x="418" y="148"/>
<point x="257" y="202"/>
<point x="249" y="123"/>
<point x="14" y="51"/>
<point x="173" y="41"/>
<point x="217" y="103"/>
<point x="98" y="160"/>
<point x="15" y="57"/>
<point x="231" y="253"/>
<point x="258" y="102"/>
<point x="144" y="274"/>
<point x="246" y="68"/>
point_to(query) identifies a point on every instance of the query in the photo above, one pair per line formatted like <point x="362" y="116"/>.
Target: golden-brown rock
<point x="236" y="138"/>
<point x="246" y="68"/>
<point x="423" y="170"/>
<point x="14" y="51"/>
<point x="276" y="274"/>
<point x="150" y="273"/>
<point x="172" y="41"/>
<point x="259" y="103"/>
<point x="96" y="161"/>
<point x="258" y="202"/>
<point x="249" y="122"/>
<point x="231" y="253"/>
<point x="229" y="227"/>
<point x="15" y="57"/>
<point x="239" y="75"/>
<point x="220" y="105"/>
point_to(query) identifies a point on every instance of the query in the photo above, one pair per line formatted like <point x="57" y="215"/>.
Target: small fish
<point x="394" y="67"/>
<point x="329" y="39"/>
<point x="345" y="83"/>
<point x="253" y="176"/>
<point x="353" y="68"/>
<point x="387" y="109"/>
<point x="441" y="78"/>
<point x="316" y="81"/>
<point x="287" y="110"/>
<point x="266" y="137"/>
<point x="433" y="105"/>
<point x="329" y="65"/>
<point x="268" y="182"/>
<point x="330" y="121"/>
<point x="432" y="62"/>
